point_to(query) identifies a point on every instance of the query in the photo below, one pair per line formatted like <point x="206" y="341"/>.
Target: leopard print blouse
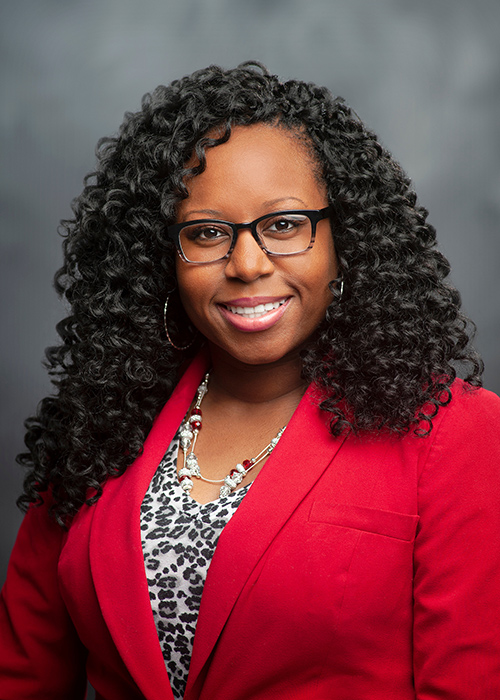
<point x="179" y="536"/>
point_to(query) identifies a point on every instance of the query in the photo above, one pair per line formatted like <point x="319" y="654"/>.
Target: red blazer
<point x="354" y="569"/>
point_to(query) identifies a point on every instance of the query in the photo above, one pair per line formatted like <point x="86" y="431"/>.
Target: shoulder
<point x="468" y="401"/>
<point x="39" y="533"/>
<point x="472" y="413"/>
<point x="464" y="444"/>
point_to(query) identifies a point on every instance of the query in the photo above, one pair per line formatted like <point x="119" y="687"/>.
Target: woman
<point x="256" y="296"/>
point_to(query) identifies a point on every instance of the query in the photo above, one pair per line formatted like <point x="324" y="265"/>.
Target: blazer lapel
<point x="116" y="556"/>
<point x="289" y="474"/>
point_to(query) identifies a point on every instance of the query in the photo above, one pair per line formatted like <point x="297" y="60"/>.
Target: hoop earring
<point x="337" y="289"/>
<point x="171" y="342"/>
<point x="341" y="288"/>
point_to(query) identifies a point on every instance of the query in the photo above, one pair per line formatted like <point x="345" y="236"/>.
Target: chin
<point x="256" y="357"/>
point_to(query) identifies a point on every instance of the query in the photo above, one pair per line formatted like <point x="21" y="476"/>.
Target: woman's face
<point x="260" y="170"/>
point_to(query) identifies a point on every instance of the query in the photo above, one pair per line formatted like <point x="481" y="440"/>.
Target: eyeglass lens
<point x="285" y="234"/>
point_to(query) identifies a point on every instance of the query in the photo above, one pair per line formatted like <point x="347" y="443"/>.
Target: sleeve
<point x="457" y="555"/>
<point x="40" y="654"/>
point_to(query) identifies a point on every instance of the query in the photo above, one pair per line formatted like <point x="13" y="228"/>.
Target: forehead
<point x="259" y="164"/>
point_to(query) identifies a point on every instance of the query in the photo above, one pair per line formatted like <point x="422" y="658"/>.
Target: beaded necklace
<point x="189" y="432"/>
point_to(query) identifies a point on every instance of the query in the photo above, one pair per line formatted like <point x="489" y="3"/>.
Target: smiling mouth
<point x="254" y="311"/>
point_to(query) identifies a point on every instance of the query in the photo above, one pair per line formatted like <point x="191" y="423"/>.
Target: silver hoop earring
<point x="337" y="289"/>
<point x="171" y="342"/>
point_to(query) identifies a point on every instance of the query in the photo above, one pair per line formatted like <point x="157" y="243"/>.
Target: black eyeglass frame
<point x="314" y="215"/>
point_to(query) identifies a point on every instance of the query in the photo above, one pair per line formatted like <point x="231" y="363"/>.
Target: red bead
<point x="196" y="412"/>
<point x="233" y="472"/>
<point x="181" y="478"/>
<point x="247" y="463"/>
<point x="196" y="424"/>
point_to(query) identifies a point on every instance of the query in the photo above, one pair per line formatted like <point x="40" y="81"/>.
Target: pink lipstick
<point x="252" y="314"/>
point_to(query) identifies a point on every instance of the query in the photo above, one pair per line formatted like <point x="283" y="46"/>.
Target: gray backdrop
<point x="423" y="74"/>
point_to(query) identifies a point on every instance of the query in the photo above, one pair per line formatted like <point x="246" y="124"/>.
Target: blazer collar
<point x="289" y="474"/>
<point x="116" y="556"/>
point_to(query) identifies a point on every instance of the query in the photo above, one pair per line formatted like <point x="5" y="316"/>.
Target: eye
<point x="205" y="234"/>
<point x="284" y="224"/>
<point x="281" y="225"/>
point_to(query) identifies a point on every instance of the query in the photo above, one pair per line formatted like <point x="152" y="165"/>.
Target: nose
<point x="248" y="261"/>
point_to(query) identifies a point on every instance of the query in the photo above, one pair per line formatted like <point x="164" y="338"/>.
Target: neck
<point x="255" y="384"/>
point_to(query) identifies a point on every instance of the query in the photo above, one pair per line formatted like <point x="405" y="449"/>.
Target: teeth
<point x="255" y="311"/>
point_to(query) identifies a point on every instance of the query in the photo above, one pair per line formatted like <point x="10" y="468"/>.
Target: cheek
<point x="324" y="267"/>
<point x="189" y="286"/>
<point x="324" y="270"/>
<point x="196" y="286"/>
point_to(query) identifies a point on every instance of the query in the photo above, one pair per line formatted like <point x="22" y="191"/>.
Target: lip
<point x="254" y="325"/>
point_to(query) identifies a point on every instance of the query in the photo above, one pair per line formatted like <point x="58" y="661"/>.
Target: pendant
<point x="192" y="465"/>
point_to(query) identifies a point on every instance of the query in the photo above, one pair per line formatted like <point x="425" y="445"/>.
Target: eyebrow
<point x="217" y="214"/>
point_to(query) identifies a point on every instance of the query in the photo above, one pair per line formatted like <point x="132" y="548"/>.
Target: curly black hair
<point x="387" y="351"/>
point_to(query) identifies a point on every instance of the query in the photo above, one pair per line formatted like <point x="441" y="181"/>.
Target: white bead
<point x="229" y="482"/>
<point x="241" y="469"/>
<point x="184" y="472"/>
<point x="186" y="435"/>
<point x="186" y="485"/>
<point x="224" y="491"/>
<point x="185" y="442"/>
<point x="192" y="465"/>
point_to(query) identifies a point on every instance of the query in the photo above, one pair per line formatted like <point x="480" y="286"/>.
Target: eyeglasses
<point x="281" y="233"/>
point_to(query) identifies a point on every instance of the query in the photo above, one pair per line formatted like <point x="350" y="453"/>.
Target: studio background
<point x="424" y="75"/>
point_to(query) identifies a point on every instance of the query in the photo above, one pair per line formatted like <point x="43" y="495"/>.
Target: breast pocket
<point x="377" y="548"/>
<point x="400" y="526"/>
